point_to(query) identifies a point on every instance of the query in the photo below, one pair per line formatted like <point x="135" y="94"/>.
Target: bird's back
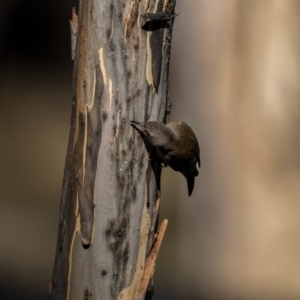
<point x="187" y="150"/>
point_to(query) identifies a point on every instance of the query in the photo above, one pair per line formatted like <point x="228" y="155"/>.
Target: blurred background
<point x="235" y="78"/>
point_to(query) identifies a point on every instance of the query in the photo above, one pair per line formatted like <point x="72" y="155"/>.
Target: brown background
<point x="235" y="78"/>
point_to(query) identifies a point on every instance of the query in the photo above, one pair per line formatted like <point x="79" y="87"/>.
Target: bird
<point x="177" y="146"/>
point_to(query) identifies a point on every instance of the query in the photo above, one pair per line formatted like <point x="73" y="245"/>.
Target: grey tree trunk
<point x="110" y="195"/>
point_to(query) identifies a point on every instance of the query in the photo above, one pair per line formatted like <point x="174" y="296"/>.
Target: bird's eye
<point x="149" y="134"/>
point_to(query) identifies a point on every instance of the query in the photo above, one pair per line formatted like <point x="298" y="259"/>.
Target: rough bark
<point x="110" y="194"/>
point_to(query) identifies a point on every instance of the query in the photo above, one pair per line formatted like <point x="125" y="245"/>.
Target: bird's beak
<point x="137" y="123"/>
<point x="138" y="126"/>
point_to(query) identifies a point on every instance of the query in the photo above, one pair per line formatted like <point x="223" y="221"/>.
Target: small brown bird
<point x="177" y="146"/>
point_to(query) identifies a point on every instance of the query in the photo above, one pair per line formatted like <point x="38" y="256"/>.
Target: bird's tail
<point x="190" y="183"/>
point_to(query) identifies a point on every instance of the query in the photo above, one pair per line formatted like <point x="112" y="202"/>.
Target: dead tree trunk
<point x="110" y="195"/>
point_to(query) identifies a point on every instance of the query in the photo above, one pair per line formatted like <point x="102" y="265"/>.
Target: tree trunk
<point x="110" y="194"/>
